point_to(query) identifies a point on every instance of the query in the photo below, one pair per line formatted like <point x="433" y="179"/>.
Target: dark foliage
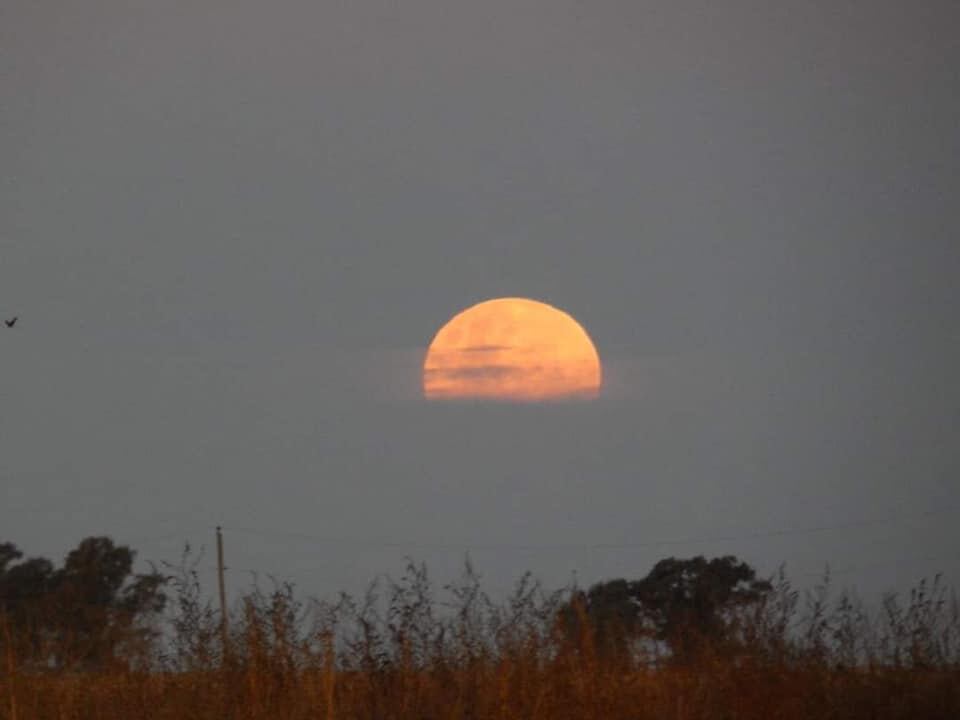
<point x="85" y="614"/>
<point x="693" y="603"/>
<point x="687" y="605"/>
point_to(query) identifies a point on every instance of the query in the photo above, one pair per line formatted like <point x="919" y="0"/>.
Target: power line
<point x="863" y="567"/>
<point x="833" y="571"/>
<point x="420" y="545"/>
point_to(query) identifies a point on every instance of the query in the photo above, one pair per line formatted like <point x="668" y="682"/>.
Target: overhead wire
<point x="693" y="540"/>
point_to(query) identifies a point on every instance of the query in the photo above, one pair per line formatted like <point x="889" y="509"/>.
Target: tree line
<point x="89" y="612"/>
<point x="95" y="611"/>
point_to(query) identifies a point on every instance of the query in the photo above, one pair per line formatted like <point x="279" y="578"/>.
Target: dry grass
<point x="567" y="688"/>
<point x="404" y="655"/>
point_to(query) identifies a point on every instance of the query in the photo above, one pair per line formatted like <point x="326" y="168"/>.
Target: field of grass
<point x="568" y="688"/>
<point x="406" y="651"/>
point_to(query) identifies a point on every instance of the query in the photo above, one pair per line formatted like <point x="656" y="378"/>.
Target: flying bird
<point x="11" y="322"/>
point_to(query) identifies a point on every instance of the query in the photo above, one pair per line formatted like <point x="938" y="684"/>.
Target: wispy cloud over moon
<point x="512" y="349"/>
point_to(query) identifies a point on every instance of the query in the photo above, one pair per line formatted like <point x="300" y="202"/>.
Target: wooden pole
<point x="224" y="629"/>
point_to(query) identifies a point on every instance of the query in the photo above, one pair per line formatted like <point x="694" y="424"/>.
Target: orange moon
<point x="512" y="349"/>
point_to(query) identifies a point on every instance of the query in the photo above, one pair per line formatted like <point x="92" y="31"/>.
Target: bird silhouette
<point x="11" y="322"/>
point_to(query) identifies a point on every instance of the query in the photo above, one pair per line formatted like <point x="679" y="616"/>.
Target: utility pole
<point x="223" y="595"/>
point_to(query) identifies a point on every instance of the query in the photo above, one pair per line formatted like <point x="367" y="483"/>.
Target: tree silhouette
<point x="83" y="613"/>
<point x="691" y="604"/>
<point x="26" y="590"/>
<point x="688" y="605"/>
<point x="613" y="616"/>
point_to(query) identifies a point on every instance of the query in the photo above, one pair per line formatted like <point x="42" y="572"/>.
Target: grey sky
<point x="230" y="230"/>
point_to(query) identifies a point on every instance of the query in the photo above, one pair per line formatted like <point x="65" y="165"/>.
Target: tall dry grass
<point x="407" y="649"/>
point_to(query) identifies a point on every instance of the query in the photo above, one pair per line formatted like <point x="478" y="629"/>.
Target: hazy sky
<point x="230" y="229"/>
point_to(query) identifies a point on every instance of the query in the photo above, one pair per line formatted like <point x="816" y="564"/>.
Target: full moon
<point x="512" y="349"/>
